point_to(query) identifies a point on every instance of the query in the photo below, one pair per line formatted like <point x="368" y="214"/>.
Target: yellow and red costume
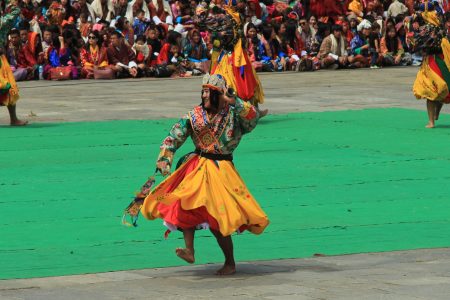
<point x="206" y="190"/>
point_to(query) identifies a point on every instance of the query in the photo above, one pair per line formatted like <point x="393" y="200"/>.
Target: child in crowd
<point x="140" y="23"/>
<point x="143" y="54"/>
<point x="374" y="45"/>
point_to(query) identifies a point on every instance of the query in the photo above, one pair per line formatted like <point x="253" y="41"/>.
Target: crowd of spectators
<point x="72" y="39"/>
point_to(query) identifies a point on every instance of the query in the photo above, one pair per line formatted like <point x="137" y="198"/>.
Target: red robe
<point x="325" y="8"/>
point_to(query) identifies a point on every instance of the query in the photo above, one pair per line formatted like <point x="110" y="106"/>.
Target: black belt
<point x="214" y="156"/>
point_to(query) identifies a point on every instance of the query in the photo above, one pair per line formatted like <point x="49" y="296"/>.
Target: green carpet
<point x="331" y="183"/>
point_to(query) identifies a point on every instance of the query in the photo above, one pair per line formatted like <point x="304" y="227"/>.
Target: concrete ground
<point x="417" y="274"/>
<point x="90" y="100"/>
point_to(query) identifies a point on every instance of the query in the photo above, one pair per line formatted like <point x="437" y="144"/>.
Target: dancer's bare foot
<point x="19" y="123"/>
<point x="263" y="113"/>
<point x="185" y="254"/>
<point x="226" y="270"/>
<point x="430" y="125"/>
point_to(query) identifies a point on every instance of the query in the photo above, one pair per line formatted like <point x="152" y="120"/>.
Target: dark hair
<point x="117" y="34"/>
<point x="322" y="28"/>
<point x="52" y="28"/>
<point x="14" y="31"/>
<point x="250" y="26"/>
<point x="375" y="25"/>
<point x="141" y="38"/>
<point x="99" y="38"/>
<point x="172" y="37"/>
<point x="104" y="22"/>
<point x="139" y="11"/>
<point x="291" y="30"/>
<point x="213" y="98"/>
<point x="391" y="43"/>
<point x="266" y="31"/>
<point x="120" y="23"/>
<point x="447" y="16"/>
<point x="73" y="41"/>
<point x="336" y="27"/>
<point x="24" y="25"/>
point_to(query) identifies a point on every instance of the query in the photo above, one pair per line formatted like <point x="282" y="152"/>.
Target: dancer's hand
<point x="230" y="100"/>
<point x="163" y="167"/>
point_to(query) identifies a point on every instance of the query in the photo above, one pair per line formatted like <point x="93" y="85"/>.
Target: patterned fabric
<point x="214" y="81"/>
<point x="220" y="135"/>
<point x="94" y="57"/>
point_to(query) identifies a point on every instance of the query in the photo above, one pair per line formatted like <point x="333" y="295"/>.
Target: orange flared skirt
<point x="204" y="191"/>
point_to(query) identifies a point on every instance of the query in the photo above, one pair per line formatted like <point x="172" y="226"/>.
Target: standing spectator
<point x="132" y="9"/>
<point x="82" y="7"/>
<point x="103" y="9"/>
<point x="120" y="10"/>
<point x="396" y="8"/>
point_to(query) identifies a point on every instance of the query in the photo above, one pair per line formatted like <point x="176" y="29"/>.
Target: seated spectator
<point x="273" y="49"/>
<point x="58" y="55"/>
<point x="13" y="53"/>
<point x="31" y="42"/>
<point x="374" y="45"/>
<point x="308" y="35"/>
<point x="324" y="30"/>
<point x="143" y="54"/>
<point x="360" y="44"/>
<point x="124" y="27"/>
<point x="293" y="47"/>
<point x="154" y="42"/>
<point x="346" y="32"/>
<point x="353" y="23"/>
<point x="333" y="51"/>
<point x="195" y="51"/>
<point x="140" y="24"/>
<point x="84" y="26"/>
<point x="392" y="50"/>
<point x="93" y="55"/>
<point x="401" y="33"/>
<point x="255" y="47"/>
<point x="121" y="57"/>
<point x="313" y="22"/>
<point x="171" y="47"/>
